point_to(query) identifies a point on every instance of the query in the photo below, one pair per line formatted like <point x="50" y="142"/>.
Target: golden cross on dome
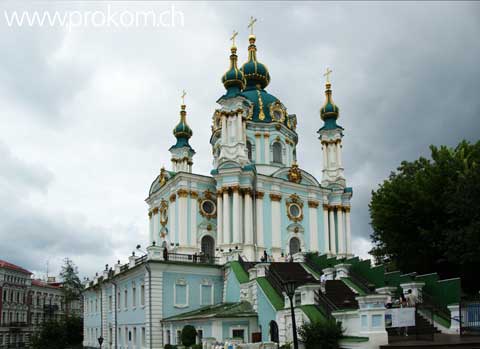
<point x="250" y="25"/>
<point x="327" y="74"/>
<point x="234" y="35"/>
<point x="183" y="97"/>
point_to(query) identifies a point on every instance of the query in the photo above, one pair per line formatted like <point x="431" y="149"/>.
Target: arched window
<point x="277" y="152"/>
<point x="294" y="246"/>
<point x="208" y="246"/>
<point x="274" y="332"/>
<point x="249" y="150"/>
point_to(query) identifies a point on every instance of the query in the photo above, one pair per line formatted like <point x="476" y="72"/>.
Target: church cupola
<point x="182" y="152"/>
<point x="233" y="79"/>
<point x="331" y="136"/>
<point x="256" y="73"/>
<point x="329" y="112"/>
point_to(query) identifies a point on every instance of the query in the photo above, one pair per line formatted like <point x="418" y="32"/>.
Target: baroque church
<point x="257" y="199"/>
<point x="222" y="248"/>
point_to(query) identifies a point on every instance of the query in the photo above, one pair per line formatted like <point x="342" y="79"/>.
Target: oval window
<point x="208" y="206"/>
<point x="295" y="210"/>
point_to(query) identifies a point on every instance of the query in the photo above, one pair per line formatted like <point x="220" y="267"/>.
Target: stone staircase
<point x="340" y="294"/>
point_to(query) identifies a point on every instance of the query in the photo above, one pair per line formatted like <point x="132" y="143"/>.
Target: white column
<point x="182" y="221"/>
<point x="244" y="133"/>
<point x="226" y="217"/>
<point x="236" y="216"/>
<point x="248" y="225"/>
<point x="266" y="140"/>
<point x="150" y="225"/>
<point x="276" y="219"/>
<point x="341" y="235"/>
<point x="224" y="129"/>
<point x="259" y="213"/>
<point x="325" y="229"/>
<point x="325" y="156"/>
<point x="257" y="148"/>
<point x="219" y="218"/>
<point x="333" y="245"/>
<point x="238" y="127"/>
<point x="348" y="231"/>
<point x="193" y="220"/>
<point x="312" y="209"/>
<point x="339" y="154"/>
<point x="171" y="218"/>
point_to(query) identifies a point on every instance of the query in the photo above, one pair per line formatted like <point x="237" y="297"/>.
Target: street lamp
<point x="289" y="288"/>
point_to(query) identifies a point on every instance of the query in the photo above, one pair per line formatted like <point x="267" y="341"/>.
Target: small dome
<point x="329" y="109"/>
<point x="182" y="131"/>
<point x="256" y="73"/>
<point x="233" y="78"/>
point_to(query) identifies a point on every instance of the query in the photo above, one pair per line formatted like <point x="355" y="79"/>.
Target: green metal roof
<point x="222" y="310"/>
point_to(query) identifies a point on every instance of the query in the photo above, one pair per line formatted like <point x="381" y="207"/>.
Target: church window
<point x="179" y="337"/>
<point x="143" y="337"/>
<point x="249" y="150"/>
<point x="206" y="292"/>
<point x="238" y="333"/>
<point x="125" y="299"/>
<point x="180" y="293"/>
<point x="277" y="152"/>
<point x="110" y="303"/>
<point x="208" y="207"/>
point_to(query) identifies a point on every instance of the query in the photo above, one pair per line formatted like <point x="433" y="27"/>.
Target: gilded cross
<point x="234" y="35"/>
<point x="250" y="25"/>
<point x="183" y="97"/>
<point x="327" y="74"/>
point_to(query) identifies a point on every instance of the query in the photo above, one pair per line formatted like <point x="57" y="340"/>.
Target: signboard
<point x="400" y="317"/>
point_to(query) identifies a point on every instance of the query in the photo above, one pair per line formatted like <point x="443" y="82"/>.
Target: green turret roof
<point x="233" y="79"/>
<point x="329" y="108"/>
<point x="256" y="73"/>
<point x="182" y="131"/>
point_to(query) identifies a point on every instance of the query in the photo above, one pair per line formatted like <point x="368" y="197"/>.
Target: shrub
<point x="188" y="335"/>
<point x="321" y="335"/>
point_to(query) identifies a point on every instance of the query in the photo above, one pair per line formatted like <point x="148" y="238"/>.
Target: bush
<point x="188" y="335"/>
<point x="196" y="346"/>
<point x="321" y="335"/>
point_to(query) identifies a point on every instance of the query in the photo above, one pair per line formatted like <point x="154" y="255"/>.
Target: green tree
<point x="426" y="215"/>
<point x="59" y="334"/>
<point x="72" y="286"/>
<point x="188" y="335"/>
<point x="321" y="334"/>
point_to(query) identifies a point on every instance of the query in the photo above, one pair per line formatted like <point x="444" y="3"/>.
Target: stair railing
<point x="361" y="282"/>
<point x="427" y="300"/>
<point x="325" y="303"/>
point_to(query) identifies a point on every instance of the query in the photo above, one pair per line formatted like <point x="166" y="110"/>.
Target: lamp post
<point x="289" y="288"/>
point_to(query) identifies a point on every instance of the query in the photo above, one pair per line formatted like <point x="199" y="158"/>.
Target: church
<point x="221" y="246"/>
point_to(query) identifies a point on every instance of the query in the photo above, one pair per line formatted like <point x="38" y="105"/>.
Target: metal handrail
<point x="274" y="280"/>
<point x="325" y="303"/>
<point x="361" y="281"/>
<point x="200" y="259"/>
<point x="428" y="300"/>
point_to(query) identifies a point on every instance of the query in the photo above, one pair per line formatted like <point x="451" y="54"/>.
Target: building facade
<point x="26" y="303"/>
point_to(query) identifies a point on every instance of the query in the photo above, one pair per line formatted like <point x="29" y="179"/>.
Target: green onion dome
<point x="233" y="79"/>
<point x="329" y="109"/>
<point x="256" y="73"/>
<point x="182" y="131"/>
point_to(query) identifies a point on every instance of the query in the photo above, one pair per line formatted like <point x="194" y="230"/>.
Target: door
<point x="294" y="246"/>
<point x="208" y="246"/>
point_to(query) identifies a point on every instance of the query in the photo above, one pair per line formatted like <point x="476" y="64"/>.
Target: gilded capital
<point x="193" y="194"/>
<point x="275" y="197"/>
<point x="182" y="193"/>
<point x="313" y="203"/>
<point x="259" y="194"/>
<point x="172" y="198"/>
<point x="155" y="210"/>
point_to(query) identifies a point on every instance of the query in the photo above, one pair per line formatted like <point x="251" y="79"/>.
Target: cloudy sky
<point x="86" y="112"/>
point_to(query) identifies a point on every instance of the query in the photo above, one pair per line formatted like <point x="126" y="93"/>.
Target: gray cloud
<point x="88" y="114"/>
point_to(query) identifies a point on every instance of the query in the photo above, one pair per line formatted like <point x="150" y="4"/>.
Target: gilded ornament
<point x="294" y="173"/>
<point x="275" y="197"/>
<point x="294" y="208"/>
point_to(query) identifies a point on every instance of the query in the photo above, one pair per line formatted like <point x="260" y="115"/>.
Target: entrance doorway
<point x="208" y="246"/>
<point x="294" y="246"/>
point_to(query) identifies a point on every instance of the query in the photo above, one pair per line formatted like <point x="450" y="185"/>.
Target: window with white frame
<point x="142" y="295"/>
<point x="134" y="295"/>
<point x="125" y="298"/>
<point x="110" y="303"/>
<point x="238" y="332"/>
<point x="277" y="152"/>
<point x="206" y="292"/>
<point x="134" y="336"/>
<point x="179" y="337"/>
<point x="180" y="293"/>
<point x="144" y="342"/>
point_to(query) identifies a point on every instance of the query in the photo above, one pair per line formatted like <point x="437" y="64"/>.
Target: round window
<point x="295" y="210"/>
<point x="208" y="206"/>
